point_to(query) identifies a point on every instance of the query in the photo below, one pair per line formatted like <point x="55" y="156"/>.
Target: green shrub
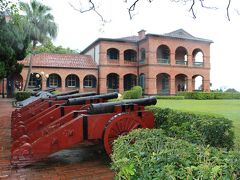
<point x="22" y="95"/>
<point x="201" y="129"/>
<point x="209" y="95"/>
<point x="227" y="95"/>
<point x="56" y="92"/>
<point x="150" y="154"/>
<point x="170" y="97"/>
<point x="134" y="93"/>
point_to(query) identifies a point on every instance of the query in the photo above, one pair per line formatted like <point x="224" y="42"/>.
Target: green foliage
<point x="13" y="44"/>
<point x="134" y="93"/>
<point x="231" y="90"/>
<point x="210" y="95"/>
<point x="48" y="47"/>
<point x="56" y="92"/>
<point x="22" y="95"/>
<point x="170" y="97"/>
<point x="150" y="154"/>
<point x="210" y="130"/>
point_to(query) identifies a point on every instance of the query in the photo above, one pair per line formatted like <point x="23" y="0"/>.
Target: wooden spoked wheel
<point x="118" y="125"/>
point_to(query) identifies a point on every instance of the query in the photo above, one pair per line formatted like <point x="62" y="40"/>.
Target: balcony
<point x="163" y="91"/>
<point x="109" y="90"/>
<point x="163" y="61"/>
<point x="198" y="64"/>
<point x="181" y="62"/>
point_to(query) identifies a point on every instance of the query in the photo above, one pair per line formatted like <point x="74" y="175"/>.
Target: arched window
<point x="35" y="80"/>
<point x="112" y="53"/>
<point x="181" y="56"/>
<point x="72" y="80"/>
<point x="197" y="58"/>
<point x="130" y="55"/>
<point x="54" y="81"/>
<point x="89" y="81"/>
<point x="112" y="82"/>
<point x="142" y="56"/>
<point x="163" y="54"/>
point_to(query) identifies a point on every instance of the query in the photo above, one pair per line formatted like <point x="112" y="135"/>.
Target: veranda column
<point x="121" y="88"/>
<point x="189" y="85"/>
<point x="44" y="83"/>
<point x="102" y="85"/>
<point x="206" y="85"/>
<point x="172" y="87"/>
<point x="151" y="88"/>
<point x="81" y="85"/>
<point x="172" y="59"/>
<point x="190" y="60"/>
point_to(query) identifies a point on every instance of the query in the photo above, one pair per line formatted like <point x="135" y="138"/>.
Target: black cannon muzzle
<point x="108" y="107"/>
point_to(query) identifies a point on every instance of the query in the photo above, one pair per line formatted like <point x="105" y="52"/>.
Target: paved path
<point x="84" y="163"/>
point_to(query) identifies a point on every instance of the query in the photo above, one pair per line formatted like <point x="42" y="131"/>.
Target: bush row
<point x="201" y="129"/>
<point x="135" y="93"/>
<point x="170" y="97"/>
<point x="150" y="154"/>
<point x="209" y="95"/>
<point x="22" y="95"/>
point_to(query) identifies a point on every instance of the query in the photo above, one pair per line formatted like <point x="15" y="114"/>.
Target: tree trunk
<point x="29" y="73"/>
<point x="30" y="65"/>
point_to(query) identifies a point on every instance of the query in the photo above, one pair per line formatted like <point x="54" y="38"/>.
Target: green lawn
<point x="227" y="108"/>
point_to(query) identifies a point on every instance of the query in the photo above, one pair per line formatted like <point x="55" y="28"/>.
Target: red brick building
<point x="161" y="64"/>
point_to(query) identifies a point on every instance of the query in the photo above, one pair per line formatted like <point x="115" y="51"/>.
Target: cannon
<point x="37" y="122"/>
<point x="88" y="125"/>
<point x="41" y="105"/>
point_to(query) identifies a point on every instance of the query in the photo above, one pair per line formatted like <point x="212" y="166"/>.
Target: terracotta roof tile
<point x="61" y="60"/>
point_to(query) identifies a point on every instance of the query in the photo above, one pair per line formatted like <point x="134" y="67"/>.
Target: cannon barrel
<point x="108" y="107"/>
<point x="75" y="95"/>
<point x="50" y="89"/>
<point x="81" y="100"/>
<point x="66" y="93"/>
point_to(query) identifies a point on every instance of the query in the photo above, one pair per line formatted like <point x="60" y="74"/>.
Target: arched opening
<point x="142" y="56"/>
<point x="90" y="81"/>
<point x="112" y="82"/>
<point x="197" y="58"/>
<point x="142" y="81"/>
<point x="54" y="81"/>
<point x="130" y="80"/>
<point x="72" y="81"/>
<point x="113" y="53"/>
<point x="18" y="82"/>
<point x="163" y="84"/>
<point x="163" y="54"/>
<point x="35" y="81"/>
<point x="181" y="82"/>
<point x="181" y="56"/>
<point x="197" y="83"/>
<point x="130" y="55"/>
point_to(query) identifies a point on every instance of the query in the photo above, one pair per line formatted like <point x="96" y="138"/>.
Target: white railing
<point x="163" y="61"/>
<point x="181" y="62"/>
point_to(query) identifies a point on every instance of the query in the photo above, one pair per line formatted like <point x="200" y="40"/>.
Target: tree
<point x="13" y="44"/>
<point x="90" y="5"/>
<point x="48" y="47"/>
<point x="41" y="26"/>
<point x="231" y="90"/>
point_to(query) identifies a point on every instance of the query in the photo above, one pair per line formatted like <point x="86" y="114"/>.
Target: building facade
<point x="161" y="64"/>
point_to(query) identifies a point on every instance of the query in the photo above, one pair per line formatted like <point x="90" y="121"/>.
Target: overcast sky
<point x="78" y="30"/>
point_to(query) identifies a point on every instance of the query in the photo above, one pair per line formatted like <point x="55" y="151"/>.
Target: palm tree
<point x="41" y="26"/>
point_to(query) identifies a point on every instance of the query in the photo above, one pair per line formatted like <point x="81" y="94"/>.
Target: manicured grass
<point x="227" y="108"/>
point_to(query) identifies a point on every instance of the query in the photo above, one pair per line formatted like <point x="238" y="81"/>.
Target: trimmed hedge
<point x="22" y="95"/>
<point x="209" y="95"/>
<point x="210" y="130"/>
<point x="135" y="93"/>
<point x="171" y="97"/>
<point x="150" y="154"/>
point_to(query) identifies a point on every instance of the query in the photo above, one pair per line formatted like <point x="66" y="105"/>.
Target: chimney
<point x="141" y="34"/>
